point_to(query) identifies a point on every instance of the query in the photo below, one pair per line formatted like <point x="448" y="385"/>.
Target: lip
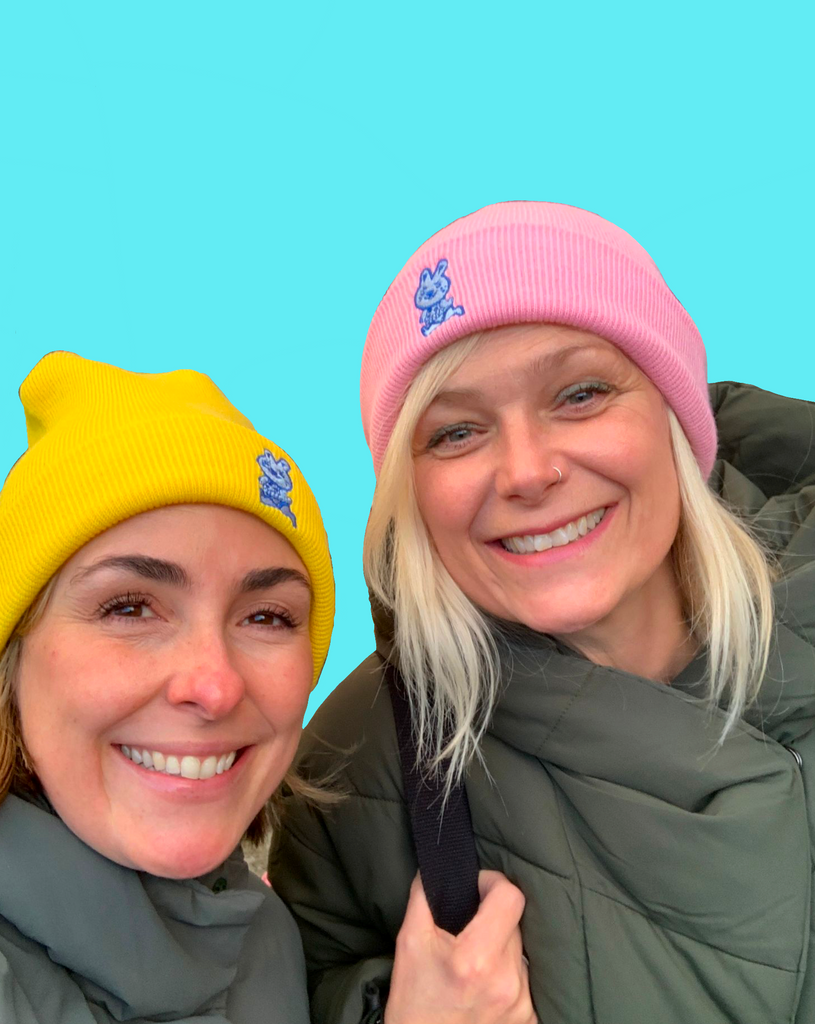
<point x="176" y="787"/>
<point x="554" y="555"/>
<point x="536" y="531"/>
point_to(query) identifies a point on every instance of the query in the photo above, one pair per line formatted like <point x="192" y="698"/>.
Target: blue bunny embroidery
<point x="432" y="299"/>
<point x="275" y="484"/>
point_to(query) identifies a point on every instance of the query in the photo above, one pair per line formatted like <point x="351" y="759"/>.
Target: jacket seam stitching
<point x="526" y="860"/>
<point x="574" y="698"/>
<point x="676" y="931"/>
<point x="298" y="838"/>
<point x="785" y="624"/>
<point x="356" y="795"/>
<point x="580" y="890"/>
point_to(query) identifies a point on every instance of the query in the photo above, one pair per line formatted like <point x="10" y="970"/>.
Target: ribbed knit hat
<point x="106" y="444"/>
<point x="529" y="262"/>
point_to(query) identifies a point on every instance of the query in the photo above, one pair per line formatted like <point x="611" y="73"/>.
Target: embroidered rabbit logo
<point x="275" y="484"/>
<point x="432" y="299"/>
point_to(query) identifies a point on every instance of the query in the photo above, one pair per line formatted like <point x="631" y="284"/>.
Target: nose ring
<point x="559" y="474"/>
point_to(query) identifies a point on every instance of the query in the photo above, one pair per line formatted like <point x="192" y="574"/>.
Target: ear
<point x="425" y="278"/>
<point x="441" y="266"/>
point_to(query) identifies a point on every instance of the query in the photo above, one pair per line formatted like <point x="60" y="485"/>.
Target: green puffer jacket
<point x="86" y="941"/>
<point x="668" y="880"/>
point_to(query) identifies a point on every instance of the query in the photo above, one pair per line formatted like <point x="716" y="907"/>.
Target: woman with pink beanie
<point x="580" y="757"/>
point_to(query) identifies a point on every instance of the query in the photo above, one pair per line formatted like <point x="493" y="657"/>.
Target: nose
<point x="206" y="681"/>
<point x="527" y="461"/>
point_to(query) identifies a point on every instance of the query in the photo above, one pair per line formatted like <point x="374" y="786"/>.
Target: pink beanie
<point x="524" y="262"/>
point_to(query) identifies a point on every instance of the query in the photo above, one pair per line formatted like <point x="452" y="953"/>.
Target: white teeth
<point x="187" y="767"/>
<point x="526" y="544"/>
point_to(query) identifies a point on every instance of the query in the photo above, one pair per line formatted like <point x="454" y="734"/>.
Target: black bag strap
<point x="442" y="834"/>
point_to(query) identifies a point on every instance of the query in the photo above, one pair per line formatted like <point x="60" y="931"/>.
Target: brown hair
<point x="16" y="773"/>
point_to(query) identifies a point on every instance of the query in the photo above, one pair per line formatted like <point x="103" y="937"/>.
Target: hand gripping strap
<point x="442" y="834"/>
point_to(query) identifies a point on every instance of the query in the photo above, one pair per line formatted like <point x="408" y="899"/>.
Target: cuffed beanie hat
<point x="532" y="262"/>
<point x="106" y="444"/>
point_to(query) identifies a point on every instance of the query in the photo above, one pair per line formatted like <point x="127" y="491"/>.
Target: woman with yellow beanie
<point x="166" y="602"/>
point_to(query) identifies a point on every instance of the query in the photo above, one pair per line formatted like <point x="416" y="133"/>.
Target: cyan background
<point x="232" y="187"/>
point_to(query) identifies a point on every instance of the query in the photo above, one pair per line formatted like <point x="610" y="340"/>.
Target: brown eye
<point x="129" y="611"/>
<point x="272" y="619"/>
<point x="127" y="606"/>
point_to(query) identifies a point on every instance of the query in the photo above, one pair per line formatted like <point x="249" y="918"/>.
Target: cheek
<point x="635" y="446"/>
<point x="68" y="685"/>
<point x="647" y="470"/>
<point x="656" y="468"/>
<point x="283" y="689"/>
<point x="448" y="496"/>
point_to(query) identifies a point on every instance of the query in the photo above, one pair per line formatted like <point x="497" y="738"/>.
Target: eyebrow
<point x="158" y="570"/>
<point x="538" y="367"/>
<point x="264" y="579"/>
<point x="155" y="569"/>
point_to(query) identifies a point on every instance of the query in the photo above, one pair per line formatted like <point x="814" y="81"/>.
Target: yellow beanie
<point x="105" y="444"/>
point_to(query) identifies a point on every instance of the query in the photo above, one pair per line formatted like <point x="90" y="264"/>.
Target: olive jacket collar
<point x="85" y="940"/>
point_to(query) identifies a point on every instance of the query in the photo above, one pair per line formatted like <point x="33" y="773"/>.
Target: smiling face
<point x="181" y="634"/>
<point x="584" y="555"/>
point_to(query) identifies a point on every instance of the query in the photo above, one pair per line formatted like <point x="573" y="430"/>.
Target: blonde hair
<point x="17" y="774"/>
<point x="447" y="652"/>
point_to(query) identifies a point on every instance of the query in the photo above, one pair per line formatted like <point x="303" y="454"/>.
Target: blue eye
<point x="583" y="394"/>
<point x="451" y="437"/>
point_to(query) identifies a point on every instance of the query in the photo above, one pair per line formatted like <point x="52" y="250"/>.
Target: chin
<point x="566" y="620"/>
<point x="185" y="858"/>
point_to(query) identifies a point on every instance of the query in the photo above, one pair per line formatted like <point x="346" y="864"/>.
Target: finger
<point x="418" y="917"/>
<point x="499" y="914"/>
<point x="487" y="880"/>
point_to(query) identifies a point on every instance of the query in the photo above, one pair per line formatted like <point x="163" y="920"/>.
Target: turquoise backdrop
<point x="232" y="187"/>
